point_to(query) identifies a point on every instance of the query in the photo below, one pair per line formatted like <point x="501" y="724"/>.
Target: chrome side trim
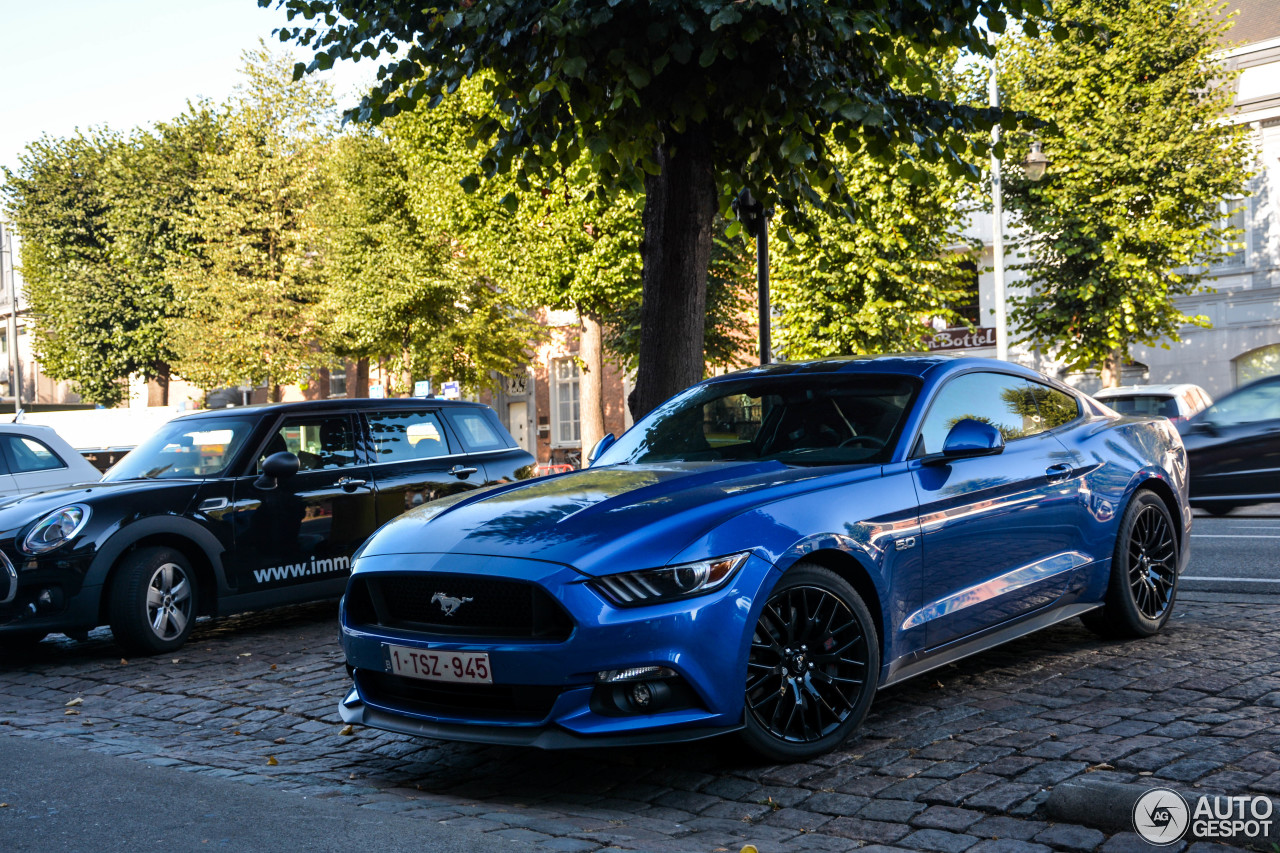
<point x="9" y="570"/>
<point x="1006" y="583"/>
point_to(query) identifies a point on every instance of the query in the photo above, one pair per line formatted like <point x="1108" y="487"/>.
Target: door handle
<point x="462" y="472"/>
<point x="1058" y="473"/>
<point x="350" y="484"/>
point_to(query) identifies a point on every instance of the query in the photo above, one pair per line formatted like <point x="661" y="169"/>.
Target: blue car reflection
<point x="763" y="552"/>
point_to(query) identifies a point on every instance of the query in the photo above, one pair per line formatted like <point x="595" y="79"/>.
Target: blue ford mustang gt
<point x="762" y="552"/>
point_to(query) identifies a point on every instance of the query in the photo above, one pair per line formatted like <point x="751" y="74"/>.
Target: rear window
<point x="475" y="430"/>
<point x="1146" y="405"/>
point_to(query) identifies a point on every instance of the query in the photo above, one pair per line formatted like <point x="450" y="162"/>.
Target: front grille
<point x="485" y="701"/>
<point x="456" y="605"/>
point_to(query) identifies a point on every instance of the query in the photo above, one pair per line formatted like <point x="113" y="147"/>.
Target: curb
<point x="1108" y="806"/>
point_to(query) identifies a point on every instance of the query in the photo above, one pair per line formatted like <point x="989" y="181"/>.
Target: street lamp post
<point x="754" y="216"/>
<point x="1034" y="167"/>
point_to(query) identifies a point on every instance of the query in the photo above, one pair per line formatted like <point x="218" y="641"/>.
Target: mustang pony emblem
<point x="448" y="603"/>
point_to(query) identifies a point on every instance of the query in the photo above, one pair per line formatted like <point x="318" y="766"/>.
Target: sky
<point x="68" y="64"/>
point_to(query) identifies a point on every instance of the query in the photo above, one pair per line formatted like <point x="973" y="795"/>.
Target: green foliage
<point x="1140" y="161"/>
<point x="874" y="285"/>
<point x="772" y="84"/>
<point x="567" y="245"/>
<point x="100" y="215"/>
<point x="401" y="289"/>
<point x="247" y="289"/>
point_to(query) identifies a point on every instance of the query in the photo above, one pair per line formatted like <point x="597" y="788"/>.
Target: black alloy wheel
<point x="1153" y="571"/>
<point x="1144" y="572"/>
<point x="813" y="666"/>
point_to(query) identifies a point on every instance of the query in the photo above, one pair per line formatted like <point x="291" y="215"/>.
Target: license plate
<point x="460" y="667"/>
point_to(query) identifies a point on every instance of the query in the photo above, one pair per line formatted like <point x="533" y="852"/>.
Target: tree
<point x="875" y="284"/>
<point x="1140" y="163"/>
<point x="100" y="215"/>
<point x="685" y="100"/>
<point x="247" y="287"/>
<point x="399" y="287"/>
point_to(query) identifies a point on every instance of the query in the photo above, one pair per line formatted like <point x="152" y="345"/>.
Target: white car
<point x="1175" y="402"/>
<point x="34" y="458"/>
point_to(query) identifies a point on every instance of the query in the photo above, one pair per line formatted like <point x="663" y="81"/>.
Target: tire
<point x="153" y="602"/>
<point x="1144" y="572"/>
<point x="813" y="623"/>
<point x="1217" y="507"/>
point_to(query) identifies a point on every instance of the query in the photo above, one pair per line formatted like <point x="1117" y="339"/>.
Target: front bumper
<point x="704" y="640"/>
<point x="47" y="593"/>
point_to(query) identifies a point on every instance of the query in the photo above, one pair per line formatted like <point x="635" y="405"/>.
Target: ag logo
<point x="1161" y="816"/>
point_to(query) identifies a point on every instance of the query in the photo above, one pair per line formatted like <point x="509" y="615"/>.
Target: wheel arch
<point x="859" y="577"/>
<point x="1164" y="492"/>
<point x="200" y="547"/>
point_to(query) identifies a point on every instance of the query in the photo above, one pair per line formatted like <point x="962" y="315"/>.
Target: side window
<point x="475" y="430"/>
<point x="993" y="398"/>
<point x="1055" y="408"/>
<point x="29" y="454"/>
<point x="320" y="443"/>
<point x="404" y="435"/>
<point x="1260" y="403"/>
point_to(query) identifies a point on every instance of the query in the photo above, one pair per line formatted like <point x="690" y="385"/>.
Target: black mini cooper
<point x="238" y="509"/>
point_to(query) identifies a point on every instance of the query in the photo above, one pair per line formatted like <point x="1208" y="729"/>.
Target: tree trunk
<point x="679" y="207"/>
<point x="1112" y="368"/>
<point x="362" y="379"/>
<point x="591" y="383"/>
<point x="158" y="388"/>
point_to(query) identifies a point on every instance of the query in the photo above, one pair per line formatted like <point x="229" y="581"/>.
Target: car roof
<point x="917" y="364"/>
<point x="1127" y="390"/>
<point x="341" y="404"/>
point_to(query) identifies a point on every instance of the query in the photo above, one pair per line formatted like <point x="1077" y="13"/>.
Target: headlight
<point x="55" y="529"/>
<point x="669" y="583"/>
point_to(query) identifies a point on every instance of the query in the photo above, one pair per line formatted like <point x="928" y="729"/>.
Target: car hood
<point x="19" y="510"/>
<point x="601" y="520"/>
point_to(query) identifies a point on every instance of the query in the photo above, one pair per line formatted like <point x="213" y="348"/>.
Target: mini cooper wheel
<point x="153" y="603"/>
<point x="813" y="666"/>
<point x="1144" y="572"/>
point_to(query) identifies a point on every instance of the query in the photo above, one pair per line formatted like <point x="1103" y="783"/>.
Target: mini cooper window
<point x="28" y="454"/>
<point x="798" y="420"/>
<point x="403" y="436"/>
<point x="319" y="443"/>
<point x="998" y="399"/>
<point x="476" y="431"/>
<point x="187" y="447"/>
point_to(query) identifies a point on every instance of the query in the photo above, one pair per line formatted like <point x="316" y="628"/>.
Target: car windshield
<point x="798" y="420"/>
<point x="187" y="447"/>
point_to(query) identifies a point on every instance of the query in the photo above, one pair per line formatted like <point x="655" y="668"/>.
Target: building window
<point x="565" y="430"/>
<point x="1232" y="214"/>
<point x="338" y="382"/>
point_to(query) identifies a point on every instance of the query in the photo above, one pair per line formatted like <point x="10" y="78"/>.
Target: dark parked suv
<point x="238" y="509"/>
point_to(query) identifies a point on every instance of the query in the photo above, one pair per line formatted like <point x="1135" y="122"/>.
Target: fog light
<point x="641" y="695"/>
<point x="635" y="673"/>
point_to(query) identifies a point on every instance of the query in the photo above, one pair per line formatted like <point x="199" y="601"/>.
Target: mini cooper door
<point x="301" y="529"/>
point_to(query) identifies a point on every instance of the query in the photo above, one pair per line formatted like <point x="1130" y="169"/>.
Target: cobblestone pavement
<point x="959" y="759"/>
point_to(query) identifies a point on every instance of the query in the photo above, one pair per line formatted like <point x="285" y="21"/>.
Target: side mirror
<point x="972" y="438"/>
<point x="601" y="446"/>
<point x="276" y="466"/>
